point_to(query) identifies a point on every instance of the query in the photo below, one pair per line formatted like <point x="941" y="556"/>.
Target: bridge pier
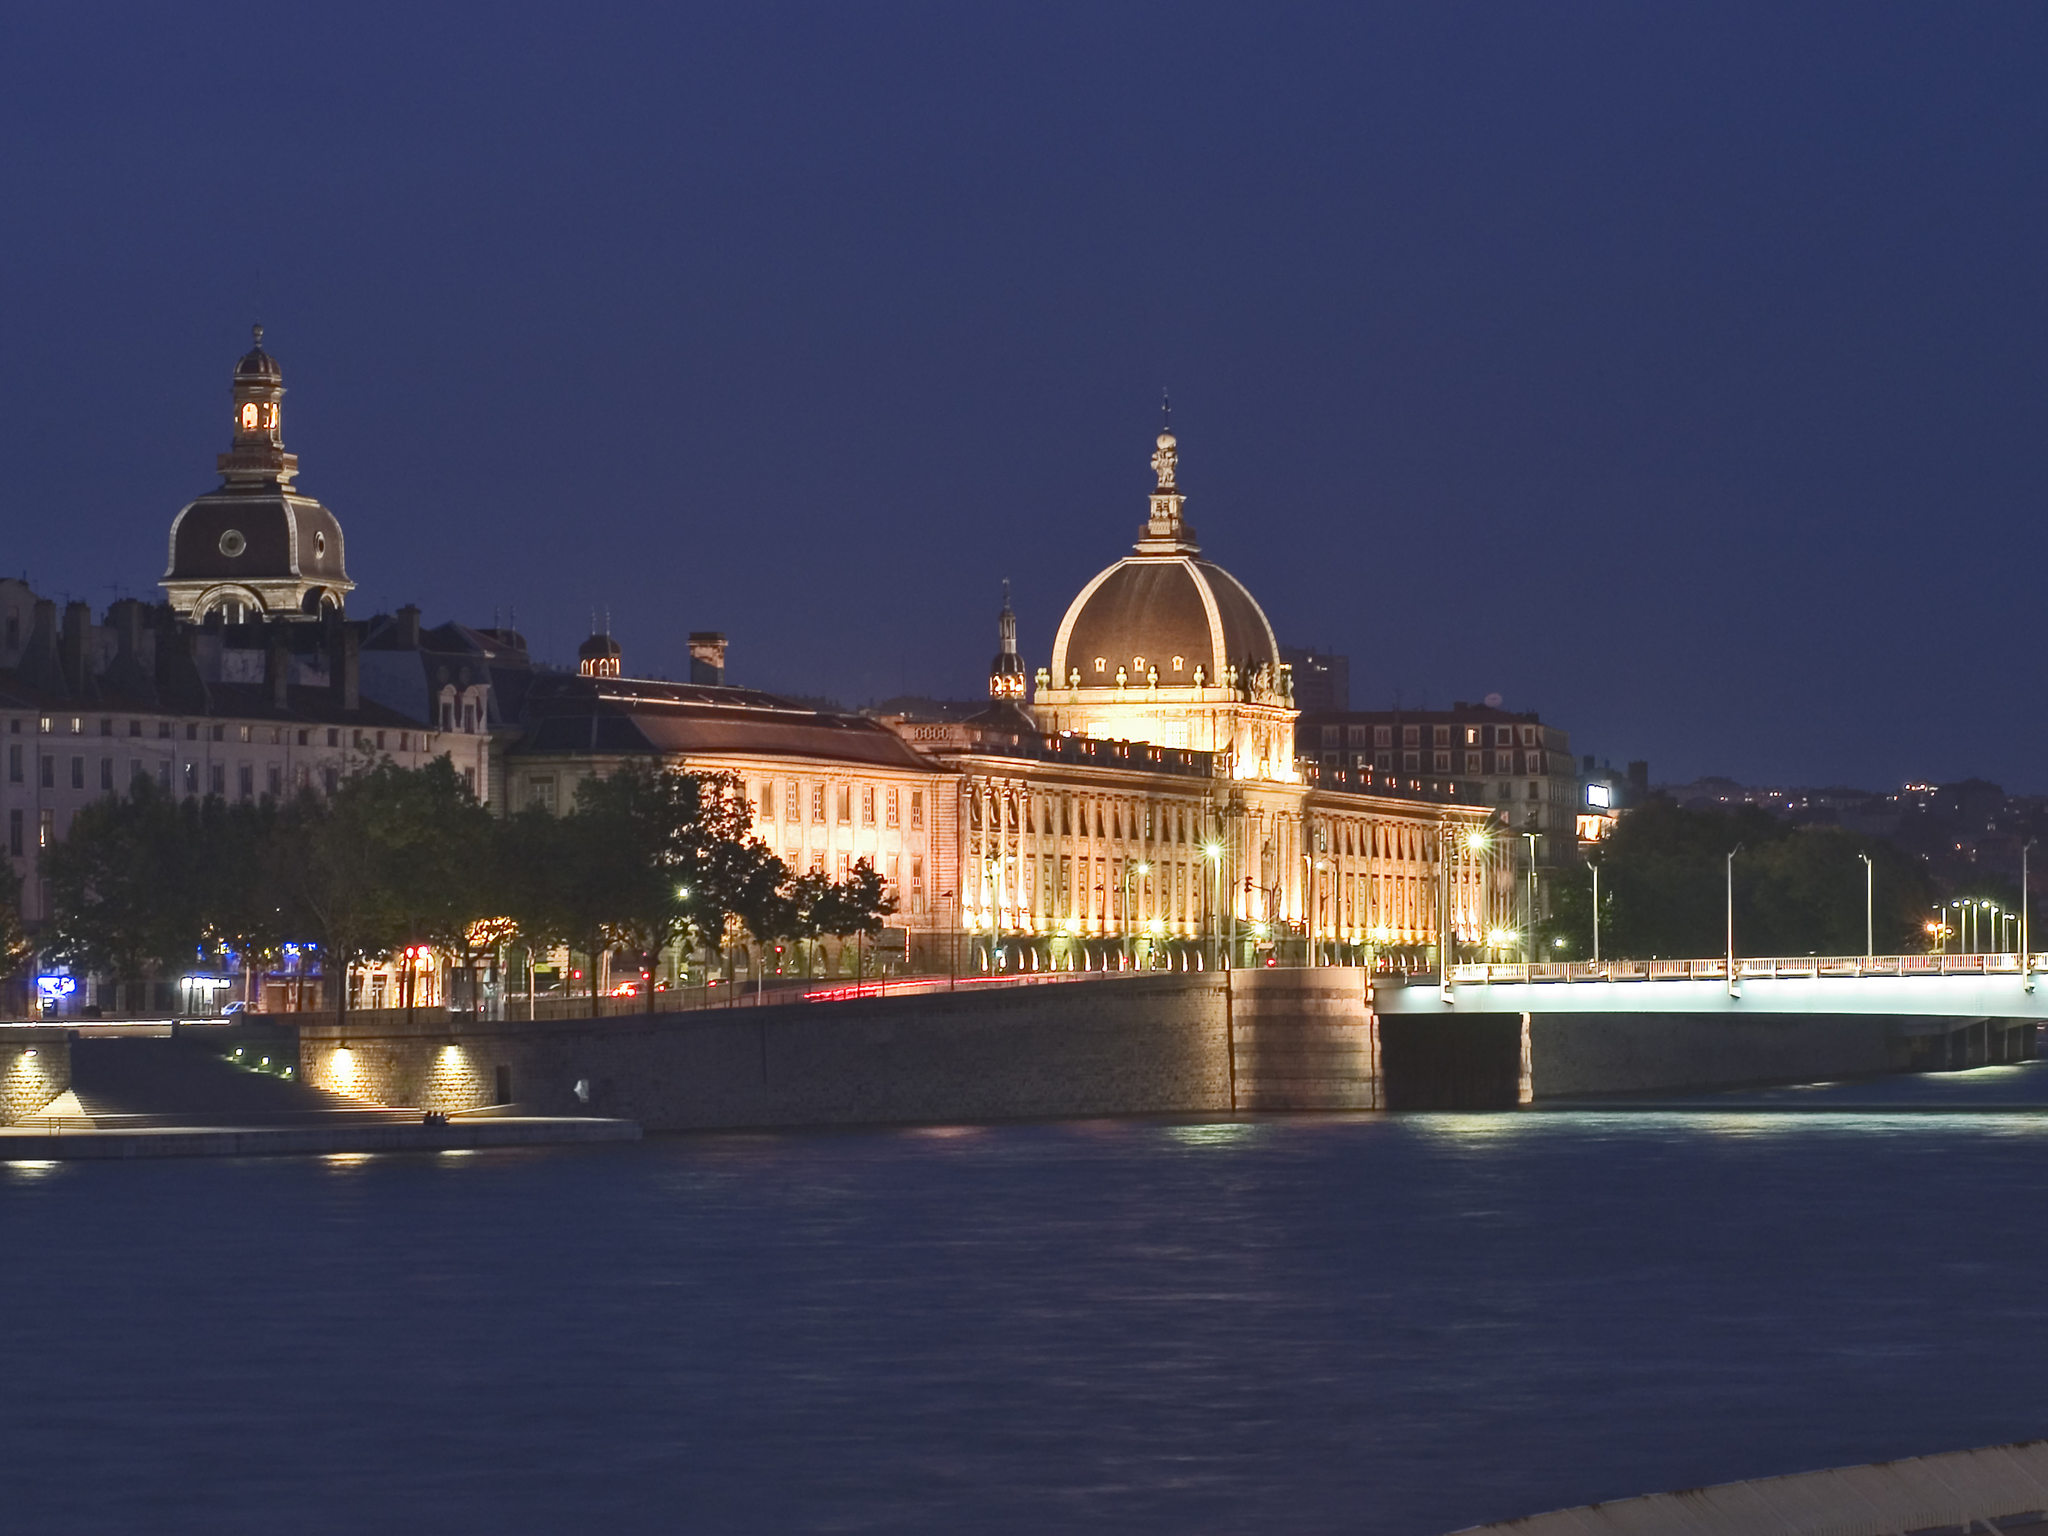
<point x="1474" y="1060"/>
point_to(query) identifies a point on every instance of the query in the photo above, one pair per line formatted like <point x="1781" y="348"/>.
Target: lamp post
<point x="1869" y="906"/>
<point x="1138" y="867"/>
<point x="1213" y="852"/>
<point x="1733" y="990"/>
<point x="1596" y="909"/>
<point x="952" y="939"/>
<point x="2026" y="938"/>
<point x="1529" y="903"/>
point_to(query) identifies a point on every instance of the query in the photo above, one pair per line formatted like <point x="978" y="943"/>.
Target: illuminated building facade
<point x="1510" y="762"/>
<point x="1151" y="811"/>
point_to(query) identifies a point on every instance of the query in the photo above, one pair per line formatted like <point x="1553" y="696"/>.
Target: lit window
<point x="1179" y="663"/>
<point x="1102" y="663"/>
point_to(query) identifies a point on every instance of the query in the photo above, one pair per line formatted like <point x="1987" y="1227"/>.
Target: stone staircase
<point x="139" y="1083"/>
<point x="1303" y="1039"/>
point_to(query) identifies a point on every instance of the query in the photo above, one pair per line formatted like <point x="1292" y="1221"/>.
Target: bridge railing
<point x="1752" y="968"/>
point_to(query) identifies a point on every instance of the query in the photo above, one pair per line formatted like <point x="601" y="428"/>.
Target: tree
<point x="125" y="893"/>
<point x="659" y="856"/>
<point x="1798" y="890"/>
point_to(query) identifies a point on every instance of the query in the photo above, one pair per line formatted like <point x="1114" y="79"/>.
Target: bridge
<point x="1502" y="1034"/>
<point x="1995" y="986"/>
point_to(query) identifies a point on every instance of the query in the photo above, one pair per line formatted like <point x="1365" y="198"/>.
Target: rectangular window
<point x="106" y="773"/>
<point x="845" y="805"/>
<point x="818" y="804"/>
<point x="46" y="828"/>
<point x="1384" y="761"/>
<point x="303" y="777"/>
<point x="540" y="793"/>
<point x="1443" y="762"/>
<point x="49" y="772"/>
<point x="242" y="732"/>
<point x="14" y="833"/>
<point x="106" y="727"/>
<point x="333" y="736"/>
<point x="916" y="883"/>
<point x="845" y="865"/>
<point x="14" y="763"/>
<point x="163" y="730"/>
<point x="1383" y="735"/>
<point x="469" y="778"/>
<point x="889" y="807"/>
<point x="867" y="805"/>
<point x="136" y="771"/>
<point x="1472" y="761"/>
<point x="792" y="801"/>
<point x="331" y="777"/>
<point x="302" y="737"/>
<point x="1411" y="735"/>
<point x="220" y="733"/>
<point x="1411" y="761"/>
<point x="78" y="773"/>
<point x="380" y="741"/>
<point x="1440" y="736"/>
<point x="217" y="780"/>
<point x="765" y="809"/>
<point x="134" y="728"/>
<point x="273" y="779"/>
<point x="917" y="810"/>
<point x="245" y="780"/>
<point x="163" y="775"/>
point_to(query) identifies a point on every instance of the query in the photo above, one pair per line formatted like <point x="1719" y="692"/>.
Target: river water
<point x="1400" y="1324"/>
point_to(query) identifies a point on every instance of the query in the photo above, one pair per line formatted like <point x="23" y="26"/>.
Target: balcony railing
<point x="1766" y="968"/>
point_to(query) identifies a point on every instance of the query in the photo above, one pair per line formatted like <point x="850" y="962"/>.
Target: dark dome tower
<point x="256" y="548"/>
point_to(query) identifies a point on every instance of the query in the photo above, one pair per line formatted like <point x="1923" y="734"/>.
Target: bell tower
<point x="1006" y="672"/>
<point x="257" y="455"/>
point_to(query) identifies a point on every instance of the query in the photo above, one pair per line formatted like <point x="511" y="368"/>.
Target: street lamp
<point x="1130" y="869"/>
<point x="1869" y="906"/>
<point x="1733" y="990"/>
<point x="1213" y="852"/>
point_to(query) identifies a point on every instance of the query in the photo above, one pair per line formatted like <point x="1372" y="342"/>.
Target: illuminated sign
<point x="1599" y="796"/>
<point x="56" y="986"/>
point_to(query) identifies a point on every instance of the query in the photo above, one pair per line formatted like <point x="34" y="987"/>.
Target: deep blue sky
<point x="1675" y="371"/>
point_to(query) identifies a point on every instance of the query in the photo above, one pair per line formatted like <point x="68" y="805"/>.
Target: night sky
<point x="1674" y="371"/>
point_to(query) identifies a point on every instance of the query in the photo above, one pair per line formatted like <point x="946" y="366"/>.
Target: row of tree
<point x="400" y="861"/>
<point x="1664" y="877"/>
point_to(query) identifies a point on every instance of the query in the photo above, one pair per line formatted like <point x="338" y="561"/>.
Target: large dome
<point x="1169" y="613"/>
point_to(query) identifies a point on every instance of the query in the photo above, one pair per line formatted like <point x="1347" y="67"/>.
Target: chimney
<point x="707" y="658"/>
<point x="71" y="651"/>
<point x="40" y="666"/>
<point x="409" y="627"/>
<point x="277" y="663"/>
<point x="344" y="664"/>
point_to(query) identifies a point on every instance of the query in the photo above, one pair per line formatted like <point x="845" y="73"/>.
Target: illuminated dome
<point x="1176" y="620"/>
<point x="1163" y="616"/>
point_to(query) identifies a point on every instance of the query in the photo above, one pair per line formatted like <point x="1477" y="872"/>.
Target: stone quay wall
<point x="1133" y="1044"/>
<point x="35" y="1067"/>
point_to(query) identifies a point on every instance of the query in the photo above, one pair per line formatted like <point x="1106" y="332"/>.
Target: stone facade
<point x="35" y="1067"/>
<point x="1129" y="1045"/>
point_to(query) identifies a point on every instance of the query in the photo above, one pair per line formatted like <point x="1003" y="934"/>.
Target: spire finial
<point x="1165" y="410"/>
<point x="256" y="331"/>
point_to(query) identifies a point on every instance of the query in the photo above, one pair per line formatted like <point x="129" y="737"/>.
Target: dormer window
<point x="1102" y="663"/>
<point x="1179" y="663"/>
